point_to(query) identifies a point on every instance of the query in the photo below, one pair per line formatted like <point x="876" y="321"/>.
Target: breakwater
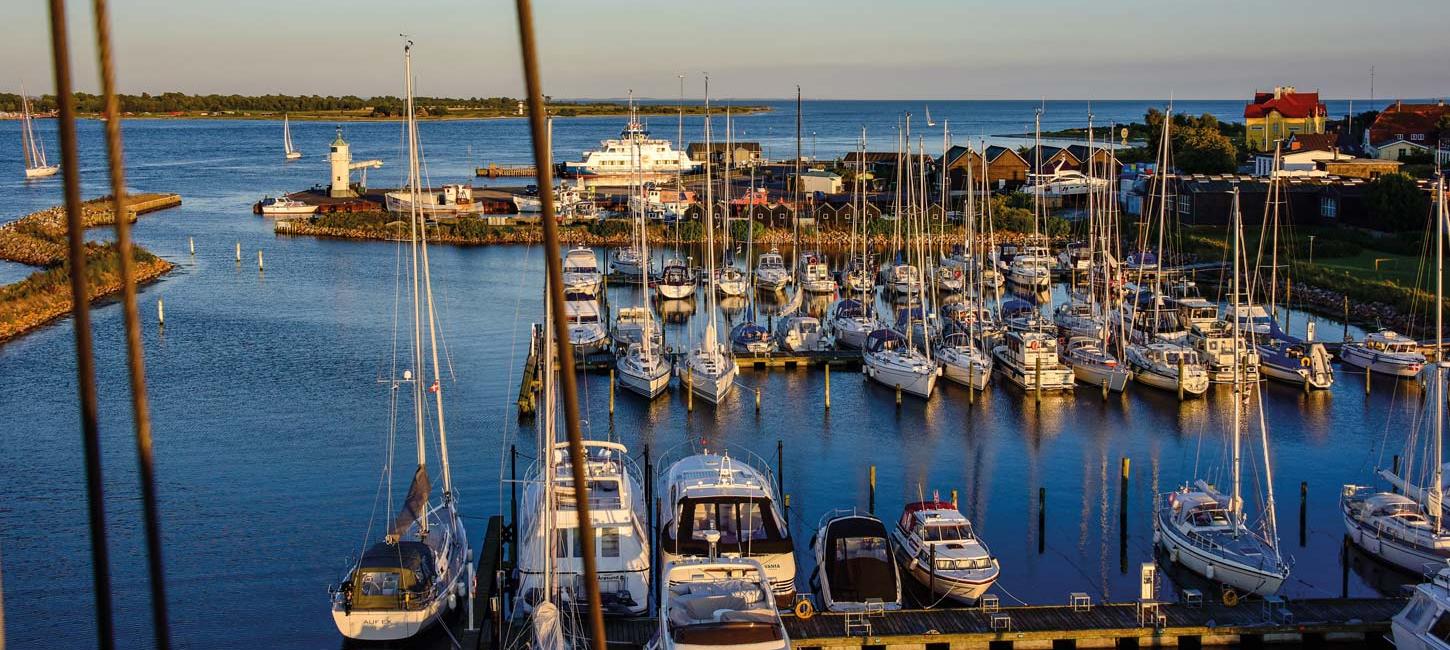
<point x="39" y="239"/>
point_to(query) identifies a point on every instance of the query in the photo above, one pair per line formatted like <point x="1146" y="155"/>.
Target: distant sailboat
<point x="929" y="121"/>
<point x="35" y="163"/>
<point x="291" y="154"/>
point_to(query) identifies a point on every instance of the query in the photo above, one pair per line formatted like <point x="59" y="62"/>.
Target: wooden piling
<point x="828" y="386"/>
<point x="239" y="252"/>
<point x="954" y="497"/>
<point x="1124" y="472"/>
<point x="931" y="585"/>
<point x="1344" y="567"/>
<point x="1041" y="520"/>
<point x="191" y="245"/>
<point x="259" y="260"/>
<point x="1182" y="370"/>
<point x="689" y="391"/>
<point x="871" y="492"/>
<point x="1366" y="381"/>
<point x="611" y="392"/>
<point x="160" y="313"/>
<point x="1346" y="318"/>
<point x="1303" y="510"/>
<point x="757" y="399"/>
<point x="898" y="396"/>
<point x="1037" y="387"/>
<point x="780" y="466"/>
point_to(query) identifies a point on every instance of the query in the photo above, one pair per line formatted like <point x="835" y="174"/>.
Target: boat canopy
<point x="1016" y="307"/>
<point x="884" y="339"/>
<point x="746" y="524"/>
<point x="912" y="508"/>
<point x="858" y="560"/>
<point x="850" y="308"/>
<point x="390" y="576"/>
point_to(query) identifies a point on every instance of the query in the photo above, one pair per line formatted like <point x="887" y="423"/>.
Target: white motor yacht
<point x="1093" y="365"/>
<point x="1029" y="360"/>
<point x="815" y="274"/>
<point x="717" y="603"/>
<point x="771" y="273"/>
<point x="940" y="550"/>
<point x="581" y="272"/>
<point x="587" y="333"/>
<point x="1168" y="366"/>
<point x="1422" y="624"/>
<point x="800" y="333"/>
<point x="1385" y="352"/>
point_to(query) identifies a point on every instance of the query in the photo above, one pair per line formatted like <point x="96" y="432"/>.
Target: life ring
<point x="1032" y="345"/>
<point x="1304" y="361"/>
<point x="804" y="610"/>
<point x="1230" y="597"/>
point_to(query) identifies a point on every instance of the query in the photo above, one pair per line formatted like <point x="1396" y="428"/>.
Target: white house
<point x="1297" y="163"/>
<point x="819" y="180"/>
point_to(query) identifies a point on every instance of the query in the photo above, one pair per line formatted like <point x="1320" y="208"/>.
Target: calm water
<point x="270" y="422"/>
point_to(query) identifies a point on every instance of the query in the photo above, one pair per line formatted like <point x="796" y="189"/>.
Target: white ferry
<point x="633" y="152"/>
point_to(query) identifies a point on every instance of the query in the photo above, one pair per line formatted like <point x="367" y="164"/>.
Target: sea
<point x="269" y="395"/>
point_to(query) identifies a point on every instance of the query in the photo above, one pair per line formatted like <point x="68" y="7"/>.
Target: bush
<point x="1395" y="203"/>
<point x="740" y="230"/>
<point x="610" y="228"/>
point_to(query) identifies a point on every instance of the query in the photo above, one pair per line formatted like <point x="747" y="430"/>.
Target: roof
<point x="873" y="157"/>
<point x="1040" y="156"/>
<point x="994" y="152"/>
<point x="821" y="173"/>
<point x="1312" y="142"/>
<point x="1288" y="103"/>
<point x="956" y="152"/>
<point x="1399" y="120"/>
<point x="1082" y="152"/>
<point x="721" y="147"/>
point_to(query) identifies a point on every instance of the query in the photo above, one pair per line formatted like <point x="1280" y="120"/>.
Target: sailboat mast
<point x="414" y="217"/>
<point x="713" y="344"/>
<point x="1437" y="483"/>
<point x="1037" y="170"/>
<point x="1235" y="502"/>
<point x="1274" y="239"/>
<point x="27" y="136"/>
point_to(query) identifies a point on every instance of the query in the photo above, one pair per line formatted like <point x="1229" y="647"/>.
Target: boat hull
<point x="966" y="592"/>
<point x="711" y="386"/>
<point x="41" y="172"/>
<point x="675" y="291"/>
<point x="919" y="384"/>
<point x="1243" y="579"/>
<point x="646" y="385"/>
<point x="1387" y="548"/>
<point x="961" y="369"/>
<point x="1297" y="375"/>
<point x="1377" y="363"/>
<point x="390" y="625"/>
<point x="1116" y="377"/>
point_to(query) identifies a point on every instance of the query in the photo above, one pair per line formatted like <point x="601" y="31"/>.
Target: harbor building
<point x="719" y="154"/>
<point x="1277" y="115"/>
<point x="1004" y="167"/>
<point x="1403" y="131"/>
<point x="820" y="180"/>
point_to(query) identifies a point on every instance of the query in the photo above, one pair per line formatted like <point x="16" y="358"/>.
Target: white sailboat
<point x="709" y="370"/>
<point x="642" y="365"/>
<point x="33" y="149"/>
<point x="406" y="582"/>
<point x="1407" y="529"/>
<point x="854" y="317"/>
<point x="288" y="152"/>
<point x="1207" y="531"/>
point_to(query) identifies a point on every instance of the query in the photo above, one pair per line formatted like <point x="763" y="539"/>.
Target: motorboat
<point x="581" y="272"/>
<point x="800" y="333"/>
<point x="587" y="333"/>
<point x="1289" y="359"/>
<point x="677" y="281"/>
<point x="1031" y="269"/>
<point x="629" y="325"/>
<point x="851" y="322"/>
<point x="1076" y="318"/>
<point x="904" y="280"/>
<point x="815" y="274"/>
<point x="1385" y="352"/>
<point x="644" y="368"/>
<point x="1093" y="365"/>
<point x="1168" y="366"/>
<point x="283" y="206"/>
<point x="855" y="568"/>
<point x="527" y="204"/>
<point x="1198" y="530"/>
<point x="1029" y="360"/>
<point x="948" y="280"/>
<point x="771" y="273"/>
<point x="720" y="506"/>
<point x="628" y="261"/>
<point x="1422" y="624"/>
<point x="719" y="602"/>
<point x="550" y="537"/>
<point x="449" y="200"/>
<point x="1062" y="183"/>
<point x="962" y="361"/>
<point x="939" y="548"/>
<point x="749" y="338"/>
<point x="1222" y="354"/>
<point x="888" y="360"/>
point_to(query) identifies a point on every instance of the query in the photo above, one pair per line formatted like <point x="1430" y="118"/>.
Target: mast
<point x="795" y="249"/>
<point x="27" y="137"/>
<point x="711" y="335"/>
<point x="1436" y="486"/>
<point x="1036" y="170"/>
<point x="414" y="218"/>
<point x="1235" y="500"/>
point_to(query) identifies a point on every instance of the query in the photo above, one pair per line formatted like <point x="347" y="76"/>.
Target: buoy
<point x="1208" y="572"/>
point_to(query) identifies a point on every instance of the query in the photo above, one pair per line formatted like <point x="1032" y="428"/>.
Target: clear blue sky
<point x="867" y="49"/>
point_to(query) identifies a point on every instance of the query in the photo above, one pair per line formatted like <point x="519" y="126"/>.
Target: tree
<point x="1394" y="202"/>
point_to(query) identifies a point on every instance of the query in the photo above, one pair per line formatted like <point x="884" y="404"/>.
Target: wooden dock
<point x="492" y="170"/>
<point x="1351" y="622"/>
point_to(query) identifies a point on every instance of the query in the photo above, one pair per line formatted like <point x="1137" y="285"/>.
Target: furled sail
<point x="415" y="505"/>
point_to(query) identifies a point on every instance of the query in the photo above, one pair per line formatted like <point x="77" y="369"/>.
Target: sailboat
<point x="33" y="149"/>
<point x="854" y="317"/>
<point x="643" y="366"/>
<point x="1407" y="528"/>
<point x="730" y="281"/>
<point x="748" y="336"/>
<point x="709" y="370"/>
<point x="1207" y="531"/>
<point x="404" y="583"/>
<point x="289" y="152"/>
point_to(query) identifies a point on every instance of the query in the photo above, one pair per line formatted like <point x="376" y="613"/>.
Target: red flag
<point x="434" y="387"/>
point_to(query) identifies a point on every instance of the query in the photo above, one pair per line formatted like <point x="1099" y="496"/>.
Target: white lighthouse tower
<point x="340" y="157"/>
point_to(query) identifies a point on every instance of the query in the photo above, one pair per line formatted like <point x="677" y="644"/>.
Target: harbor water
<point x="270" y="409"/>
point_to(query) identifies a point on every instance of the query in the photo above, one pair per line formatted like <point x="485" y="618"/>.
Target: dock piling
<point x="931" y="585"/>
<point x="898" y="396"/>
<point x="239" y="252"/>
<point x="690" y="392"/>
<point x="160" y="313"/>
<point x="1344" y="568"/>
<point x="871" y="492"/>
<point x="611" y="392"/>
<point x="828" y="386"/>
<point x="1366" y="381"/>
<point x="259" y="260"/>
<point x="1303" y="509"/>
<point x="1124" y="472"/>
<point x="1041" y="520"/>
<point x="757" y="400"/>
<point x="1037" y="387"/>
<point x="1346" y="318"/>
<point x="191" y="245"/>
<point x="1181" y="373"/>
<point x="954" y="497"/>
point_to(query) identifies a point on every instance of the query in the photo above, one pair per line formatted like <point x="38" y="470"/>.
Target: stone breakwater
<point x="39" y="239"/>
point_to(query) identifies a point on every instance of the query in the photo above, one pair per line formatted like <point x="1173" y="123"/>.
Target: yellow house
<point x="1277" y="115"/>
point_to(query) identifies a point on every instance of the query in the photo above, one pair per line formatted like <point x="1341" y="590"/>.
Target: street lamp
<point x="1311" y="250"/>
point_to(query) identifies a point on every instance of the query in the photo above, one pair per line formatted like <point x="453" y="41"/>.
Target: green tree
<point x="1394" y="202"/>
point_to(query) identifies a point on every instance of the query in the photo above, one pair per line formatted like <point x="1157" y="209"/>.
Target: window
<point x="1417" y="137"/>
<point x="1328" y="207"/>
<point x="609" y="542"/>
<point x="561" y="543"/>
<point x="379" y="583"/>
<point x="1185" y="204"/>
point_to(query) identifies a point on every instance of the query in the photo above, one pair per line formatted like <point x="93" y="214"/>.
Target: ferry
<point x="633" y="152"/>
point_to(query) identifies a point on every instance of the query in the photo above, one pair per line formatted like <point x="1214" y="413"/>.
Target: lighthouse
<point x="340" y="157"/>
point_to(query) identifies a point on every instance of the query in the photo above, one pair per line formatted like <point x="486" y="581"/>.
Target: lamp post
<point x="1311" y="250"/>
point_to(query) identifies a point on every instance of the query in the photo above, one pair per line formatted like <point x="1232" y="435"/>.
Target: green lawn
<point x="1400" y="269"/>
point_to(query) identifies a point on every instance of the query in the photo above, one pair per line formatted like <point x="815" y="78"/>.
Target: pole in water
<point x="1123" y="474"/>
<point x="1346" y="318"/>
<point x="1344" y="568"/>
<point x="690" y="391"/>
<point x="1041" y="520"/>
<point x="931" y="586"/>
<point x="160" y="313"/>
<point x="1181" y="372"/>
<point x="757" y="400"/>
<point x="1366" y="381"/>
<point x="259" y="260"/>
<point x="871" y="492"/>
<point x="239" y="252"/>
<point x="1037" y="387"/>
<point x="1303" y="509"/>
<point x="611" y="392"/>
<point x="898" y="396"/>
<point x="1105" y="389"/>
<point x="191" y="244"/>
<point x="828" y="386"/>
<point x="954" y="497"/>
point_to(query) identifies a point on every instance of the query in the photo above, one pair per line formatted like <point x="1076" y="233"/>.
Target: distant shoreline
<point x="341" y="117"/>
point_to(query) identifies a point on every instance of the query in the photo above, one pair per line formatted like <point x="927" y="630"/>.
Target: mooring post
<point x="1124" y="473"/>
<point x="191" y="245"/>
<point x="931" y="585"/>
<point x="1105" y="389"/>
<point x="1181" y="371"/>
<point x="898" y="396"/>
<point x="689" y="391"/>
<point x="239" y="252"/>
<point x="514" y="504"/>
<point x="779" y="466"/>
<point x="971" y="394"/>
<point x="611" y="392"/>
<point x="1303" y="508"/>
<point x="1366" y="381"/>
<point x="1344" y="568"/>
<point x="757" y="400"/>
<point x="871" y="492"/>
<point x="160" y="313"/>
<point x="787" y="508"/>
<point x="1346" y="319"/>
<point x="954" y="497"/>
<point x="259" y="260"/>
<point x="1041" y="520"/>
<point x="1037" y="387"/>
<point x="828" y="386"/>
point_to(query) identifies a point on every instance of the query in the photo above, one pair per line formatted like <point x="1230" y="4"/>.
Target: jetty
<point x="494" y="170"/>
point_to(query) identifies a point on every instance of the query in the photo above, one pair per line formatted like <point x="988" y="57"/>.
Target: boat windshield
<point x="862" y="548"/>
<point x="741" y="521"/>
<point x="946" y="532"/>
<point x="1208" y="518"/>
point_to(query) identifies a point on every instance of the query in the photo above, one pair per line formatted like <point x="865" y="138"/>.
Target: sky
<point x="840" y="49"/>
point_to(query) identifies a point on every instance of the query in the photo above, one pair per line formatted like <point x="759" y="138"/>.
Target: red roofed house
<point x="1277" y="115"/>
<point x="1403" y="129"/>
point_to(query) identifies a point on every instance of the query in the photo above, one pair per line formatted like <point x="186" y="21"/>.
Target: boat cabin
<point x="391" y="576"/>
<point x="938" y="523"/>
<point x="1392" y="342"/>
<point x="885" y="340"/>
<point x="721" y="604"/>
<point x="1025" y="349"/>
<point x="1200" y="510"/>
<point x="1192" y="311"/>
